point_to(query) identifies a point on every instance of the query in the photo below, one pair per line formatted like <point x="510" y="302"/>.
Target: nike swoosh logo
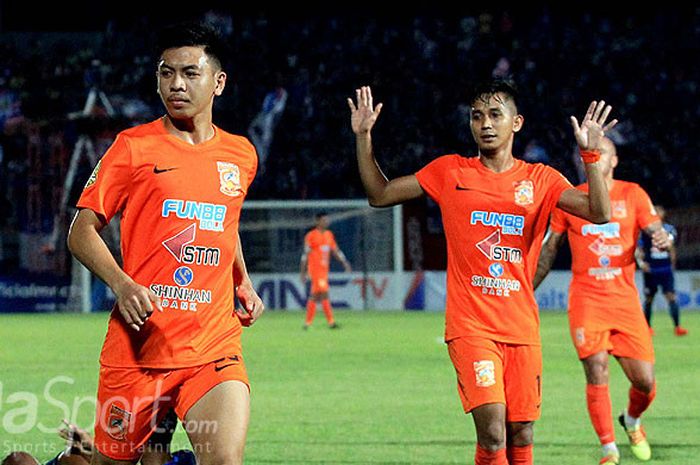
<point x="224" y="366"/>
<point x="460" y="188"/>
<point x="157" y="171"/>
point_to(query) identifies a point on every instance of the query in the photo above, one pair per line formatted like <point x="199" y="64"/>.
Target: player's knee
<point x="520" y="434"/>
<point x="644" y="382"/>
<point x="492" y="437"/>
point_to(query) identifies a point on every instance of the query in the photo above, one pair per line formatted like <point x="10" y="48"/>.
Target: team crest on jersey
<point x="118" y="423"/>
<point x="619" y="208"/>
<point x="229" y="178"/>
<point x="580" y="336"/>
<point x="93" y="177"/>
<point x="524" y="192"/>
<point x="485" y="373"/>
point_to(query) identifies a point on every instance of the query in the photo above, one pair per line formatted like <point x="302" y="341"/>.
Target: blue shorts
<point x="652" y="281"/>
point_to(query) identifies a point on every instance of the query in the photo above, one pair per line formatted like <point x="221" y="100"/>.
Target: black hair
<point x="321" y="214"/>
<point x="489" y="88"/>
<point x="191" y="34"/>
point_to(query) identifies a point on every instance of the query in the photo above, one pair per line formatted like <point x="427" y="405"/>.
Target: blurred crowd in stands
<point x="289" y="78"/>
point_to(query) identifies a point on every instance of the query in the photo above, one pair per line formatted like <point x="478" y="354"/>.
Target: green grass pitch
<point x="381" y="390"/>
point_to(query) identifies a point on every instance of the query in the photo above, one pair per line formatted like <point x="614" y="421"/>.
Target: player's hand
<point x="661" y="239"/>
<point x="136" y="303"/>
<point x="644" y="266"/>
<point x="364" y="114"/>
<point x="252" y="304"/>
<point x="77" y="440"/>
<point x="592" y="129"/>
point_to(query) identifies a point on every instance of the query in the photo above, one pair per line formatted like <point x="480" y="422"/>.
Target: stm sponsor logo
<point x="493" y="251"/>
<point x="607" y="230"/>
<point x="180" y="248"/>
<point x="508" y="223"/>
<point x="210" y="216"/>
<point x="495" y="286"/>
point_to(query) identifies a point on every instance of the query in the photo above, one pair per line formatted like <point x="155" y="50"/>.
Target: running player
<point x="494" y="210"/>
<point x="319" y="244"/>
<point x="179" y="183"/>
<point x="605" y="315"/>
<point x="657" y="267"/>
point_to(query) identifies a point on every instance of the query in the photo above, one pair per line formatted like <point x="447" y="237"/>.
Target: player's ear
<point x="613" y="161"/>
<point x="220" y="78"/>
<point x="518" y="121"/>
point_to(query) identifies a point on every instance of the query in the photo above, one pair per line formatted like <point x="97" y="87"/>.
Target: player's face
<point x="188" y="80"/>
<point x="494" y="120"/>
<point x="323" y="222"/>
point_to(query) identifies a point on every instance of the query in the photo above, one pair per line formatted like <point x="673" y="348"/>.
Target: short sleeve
<point x="556" y="184"/>
<point x="558" y="221"/>
<point x="432" y="176"/>
<point x="646" y="213"/>
<point x="253" y="166"/>
<point x="107" y="189"/>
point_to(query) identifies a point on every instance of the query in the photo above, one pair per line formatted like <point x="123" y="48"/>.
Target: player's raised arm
<point x="593" y="206"/>
<point x="380" y="191"/>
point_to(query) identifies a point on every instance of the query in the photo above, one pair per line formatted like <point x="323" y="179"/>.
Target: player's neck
<point x="193" y="130"/>
<point x="609" y="181"/>
<point x="497" y="161"/>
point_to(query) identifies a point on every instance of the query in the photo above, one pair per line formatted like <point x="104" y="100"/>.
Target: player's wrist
<point x="589" y="156"/>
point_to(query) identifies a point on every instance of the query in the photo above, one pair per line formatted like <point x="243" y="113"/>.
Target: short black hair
<point x="190" y="34"/>
<point x="492" y="87"/>
<point x="320" y="215"/>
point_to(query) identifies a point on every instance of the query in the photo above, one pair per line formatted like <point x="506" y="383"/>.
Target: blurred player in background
<point x="657" y="267"/>
<point x="179" y="183"/>
<point x="604" y="310"/>
<point x="494" y="211"/>
<point x="319" y="244"/>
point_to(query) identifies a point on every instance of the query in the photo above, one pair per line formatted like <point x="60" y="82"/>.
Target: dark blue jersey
<point x="659" y="260"/>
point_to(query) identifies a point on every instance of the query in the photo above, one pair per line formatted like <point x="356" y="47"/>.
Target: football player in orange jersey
<point x="494" y="211"/>
<point x="174" y="338"/>
<point x="605" y="315"/>
<point x="319" y="244"/>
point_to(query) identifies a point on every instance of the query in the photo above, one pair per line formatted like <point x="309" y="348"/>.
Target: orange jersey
<point x="319" y="245"/>
<point x="603" y="254"/>
<point x="494" y="225"/>
<point x="180" y="207"/>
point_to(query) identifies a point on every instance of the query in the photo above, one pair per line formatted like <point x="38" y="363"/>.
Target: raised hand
<point x="592" y="129"/>
<point x="364" y="114"/>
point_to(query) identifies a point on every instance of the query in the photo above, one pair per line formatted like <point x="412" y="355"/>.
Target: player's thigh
<point x="319" y="283"/>
<point x="589" y="337"/>
<point x="632" y="339"/>
<point x="130" y="404"/>
<point x="217" y="424"/>
<point x="650" y="285"/>
<point x="668" y="284"/>
<point x="478" y="363"/>
<point x="523" y="382"/>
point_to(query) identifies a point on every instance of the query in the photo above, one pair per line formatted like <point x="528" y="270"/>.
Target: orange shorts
<point x="131" y="402"/>
<point x="495" y="372"/>
<point x="593" y="330"/>
<point x="319" y="283"/>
